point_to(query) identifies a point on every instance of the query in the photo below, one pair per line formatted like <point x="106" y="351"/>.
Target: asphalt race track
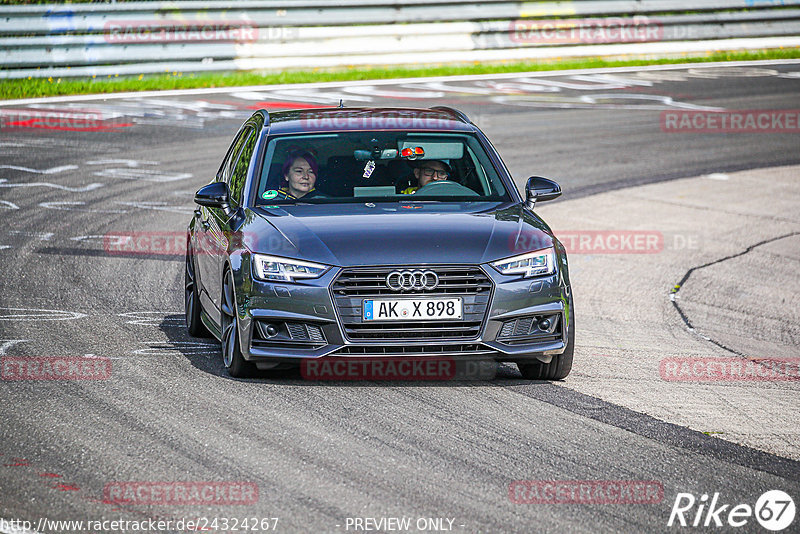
<point x="357" y="456"/>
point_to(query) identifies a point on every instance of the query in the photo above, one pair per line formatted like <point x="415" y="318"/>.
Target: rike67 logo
<point x="774" y="511"/>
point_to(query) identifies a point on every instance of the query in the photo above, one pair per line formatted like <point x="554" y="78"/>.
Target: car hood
<point x="392" y="234"/>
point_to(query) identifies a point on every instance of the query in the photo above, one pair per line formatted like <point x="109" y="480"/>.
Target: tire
<point x="192" y="299"/>
<point x="232" y="356"/>
<point x="560" y="366"/>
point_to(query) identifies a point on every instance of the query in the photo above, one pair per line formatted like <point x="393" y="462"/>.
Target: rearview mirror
<point x="366" y="155"/>
<point x="540" y="189"/>
<point x="214" y="195"/>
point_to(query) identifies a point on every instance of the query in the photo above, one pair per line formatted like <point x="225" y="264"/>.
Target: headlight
<point x="539" y="263"/>
<point x="285" y="270"/>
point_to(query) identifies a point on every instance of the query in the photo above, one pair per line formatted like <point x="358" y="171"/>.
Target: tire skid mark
<point x="668" y="434"/>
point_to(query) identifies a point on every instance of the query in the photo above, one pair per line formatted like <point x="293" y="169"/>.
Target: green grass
<point x="39" y="87"/>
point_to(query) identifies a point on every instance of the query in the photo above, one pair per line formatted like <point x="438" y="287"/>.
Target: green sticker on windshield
<point x="266" y="195"/>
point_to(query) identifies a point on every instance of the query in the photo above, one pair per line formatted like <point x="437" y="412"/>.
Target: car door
<point x="211" y="239"/>
<point x="219" y="230"/>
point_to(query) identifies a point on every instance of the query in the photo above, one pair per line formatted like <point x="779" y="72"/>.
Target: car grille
<point x="468" y="282"/>
<point x="415" y="350"/>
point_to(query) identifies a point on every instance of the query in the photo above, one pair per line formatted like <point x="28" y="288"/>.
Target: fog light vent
<point x="288" y="332"/>
<point x="508" y="329"/>
<point x="315" y="333"/>
<point x="297" y="331"/>
<point x="523" y="326"/>
<point x="530" y="329"/>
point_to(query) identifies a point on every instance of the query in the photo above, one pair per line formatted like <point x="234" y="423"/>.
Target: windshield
<point x="377" y="167"/>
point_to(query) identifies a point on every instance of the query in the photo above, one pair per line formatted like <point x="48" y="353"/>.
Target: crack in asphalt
<point x="676" y="289"/>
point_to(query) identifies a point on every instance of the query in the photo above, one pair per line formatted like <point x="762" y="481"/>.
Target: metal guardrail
<point x="145" y="37"/>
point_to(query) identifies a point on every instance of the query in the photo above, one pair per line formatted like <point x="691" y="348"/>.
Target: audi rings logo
<point x="412" y="280"/>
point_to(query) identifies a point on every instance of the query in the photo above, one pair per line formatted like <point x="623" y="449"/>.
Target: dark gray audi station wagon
<point x="375" y="233"/>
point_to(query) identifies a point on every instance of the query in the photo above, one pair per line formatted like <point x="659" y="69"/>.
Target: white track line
<point x="52" y="170"/>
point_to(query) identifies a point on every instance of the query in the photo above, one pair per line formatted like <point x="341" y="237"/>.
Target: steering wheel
<point x="445" y="188"/>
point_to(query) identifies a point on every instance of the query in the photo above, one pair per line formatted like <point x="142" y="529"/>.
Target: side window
<point x="238" y="174"/>
<point x="477" y="179"/>
<point x="233" y="151"/>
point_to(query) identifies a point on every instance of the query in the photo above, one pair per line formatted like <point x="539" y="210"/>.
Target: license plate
<point x="411" y="309"/>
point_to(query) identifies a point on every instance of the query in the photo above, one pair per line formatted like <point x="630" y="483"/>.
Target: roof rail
<point x="265" y="114"/>
<point x="457" y="112"/>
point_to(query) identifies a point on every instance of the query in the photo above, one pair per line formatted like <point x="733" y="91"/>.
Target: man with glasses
<point x="427" y="171"/>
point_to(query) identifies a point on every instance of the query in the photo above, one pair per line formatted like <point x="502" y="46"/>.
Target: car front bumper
<point x="282" y="323"/>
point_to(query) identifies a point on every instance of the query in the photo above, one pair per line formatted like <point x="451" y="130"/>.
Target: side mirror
<point x="215" y="195"/>
<point x="540" y="189"/>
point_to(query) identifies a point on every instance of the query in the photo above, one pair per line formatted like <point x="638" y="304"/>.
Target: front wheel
<point x="191" y="299"/>
<point x="560" y="366"/>
<point x="232" y="357"/>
